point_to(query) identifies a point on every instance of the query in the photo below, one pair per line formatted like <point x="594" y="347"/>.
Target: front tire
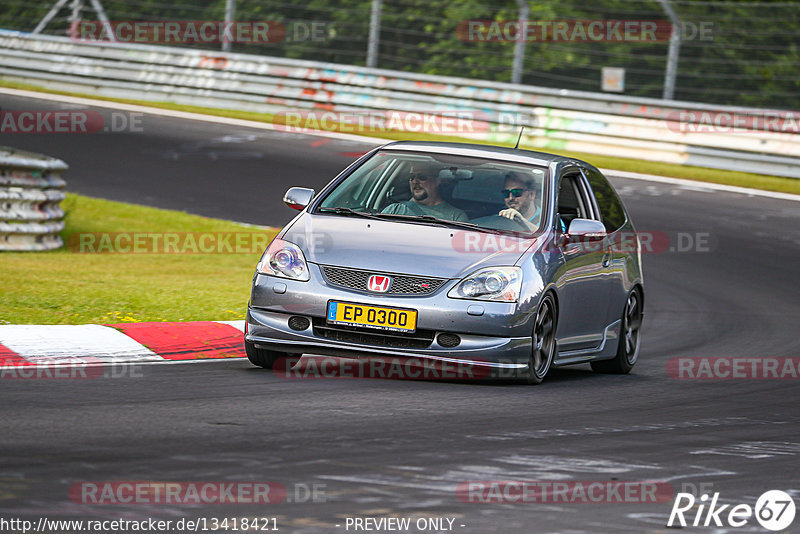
<point x="265" y="358"/>
<point x="543" y="347"/>
<point x="629" y="338"/>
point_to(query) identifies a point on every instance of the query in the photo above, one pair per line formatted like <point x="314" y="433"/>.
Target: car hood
<point x="400" y="247"/>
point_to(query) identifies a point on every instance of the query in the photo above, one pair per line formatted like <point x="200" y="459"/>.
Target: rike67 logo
<point x="774" y="511"/>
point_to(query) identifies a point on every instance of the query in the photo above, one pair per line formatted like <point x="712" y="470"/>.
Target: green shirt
<point x="442" y="210"/>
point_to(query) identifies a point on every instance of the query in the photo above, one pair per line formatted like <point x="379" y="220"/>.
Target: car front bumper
<point x="488" y="356"/>
<point x="497" y="337"/>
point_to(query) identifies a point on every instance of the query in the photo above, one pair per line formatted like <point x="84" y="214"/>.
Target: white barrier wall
<point x="744" y="139"/>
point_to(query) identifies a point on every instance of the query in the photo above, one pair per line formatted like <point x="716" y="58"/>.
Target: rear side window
<point x="611" y="209"/>
<point x="571" y="202"/>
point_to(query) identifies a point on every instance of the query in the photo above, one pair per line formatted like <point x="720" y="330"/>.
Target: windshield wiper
<point x="443" y="222"/>
<point x="348" y="212"/>
<point x="426" y="218"/>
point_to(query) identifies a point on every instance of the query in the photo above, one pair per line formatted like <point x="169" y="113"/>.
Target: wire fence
<point x="734" y="53"/>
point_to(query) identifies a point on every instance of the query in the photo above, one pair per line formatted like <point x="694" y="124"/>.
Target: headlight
<point x="492" y="283"/>
<point x="284" y="259"/>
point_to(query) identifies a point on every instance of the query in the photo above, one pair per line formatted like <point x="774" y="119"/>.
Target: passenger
<point x="425" y="199"/>
<point x="520" y="198"/>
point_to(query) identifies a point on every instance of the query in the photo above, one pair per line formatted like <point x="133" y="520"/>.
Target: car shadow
<point x="312" y="367"/>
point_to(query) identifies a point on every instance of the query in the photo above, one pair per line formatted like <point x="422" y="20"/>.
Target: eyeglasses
<point x="422" y="177"/>
<point x="516" y="193"/>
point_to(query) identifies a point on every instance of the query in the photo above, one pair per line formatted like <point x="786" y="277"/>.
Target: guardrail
<point x="30" y="193"/>
<point x="701" y="135"/>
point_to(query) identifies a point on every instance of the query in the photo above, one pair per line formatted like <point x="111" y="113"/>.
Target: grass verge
<point x="68" y="286"/>
<point x="741" y="179"/>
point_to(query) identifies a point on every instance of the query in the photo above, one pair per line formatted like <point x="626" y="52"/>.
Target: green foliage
<point x="749" y="58"/>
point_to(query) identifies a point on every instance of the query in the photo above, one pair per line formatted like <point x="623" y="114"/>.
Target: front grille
<point x="420" y="339"/>
<point x="401" y="284"/>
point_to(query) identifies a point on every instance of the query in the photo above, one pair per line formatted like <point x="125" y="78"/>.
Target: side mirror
<point x="586" y="230"/>
<point x="298" y="197"/>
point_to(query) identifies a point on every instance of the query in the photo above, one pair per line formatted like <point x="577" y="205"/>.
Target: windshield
<point x="442" y="189"/>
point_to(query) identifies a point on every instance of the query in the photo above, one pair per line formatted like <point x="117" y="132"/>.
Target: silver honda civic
<point x="507" y="261"/>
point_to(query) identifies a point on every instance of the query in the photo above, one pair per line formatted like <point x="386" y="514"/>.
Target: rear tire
<point x="543" y="346"/>
<point x="629" y="339"/>
<point x="268" y="358"/>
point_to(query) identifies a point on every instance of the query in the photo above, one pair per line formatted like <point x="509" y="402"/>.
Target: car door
<point x="582" y="281"/>
<point x="620" y="240"/>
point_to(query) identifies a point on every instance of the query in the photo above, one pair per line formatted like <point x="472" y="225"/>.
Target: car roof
<point x="484" y="151"/>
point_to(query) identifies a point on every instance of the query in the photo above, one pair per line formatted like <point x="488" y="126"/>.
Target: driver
<point x="520" y="198"/>
<point x="425" y="199"/>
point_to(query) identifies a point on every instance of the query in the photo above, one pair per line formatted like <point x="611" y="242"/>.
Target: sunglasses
<point x="422" y="177"/>
<point x="516" y="193"/>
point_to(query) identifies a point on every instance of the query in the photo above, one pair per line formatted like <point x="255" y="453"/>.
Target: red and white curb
<point x="26" y="345"/>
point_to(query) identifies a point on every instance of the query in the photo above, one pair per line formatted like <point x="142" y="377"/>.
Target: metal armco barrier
<point x="30" y="191"/>
<point x="686" y="133"/>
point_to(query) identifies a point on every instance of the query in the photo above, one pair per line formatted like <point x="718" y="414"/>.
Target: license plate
<point x="393" y="319"/>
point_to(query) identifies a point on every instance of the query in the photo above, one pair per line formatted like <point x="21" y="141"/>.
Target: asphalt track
<point x="401" y="448"/>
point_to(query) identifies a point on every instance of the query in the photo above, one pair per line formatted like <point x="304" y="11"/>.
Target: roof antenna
<point x="522" y="129"/>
